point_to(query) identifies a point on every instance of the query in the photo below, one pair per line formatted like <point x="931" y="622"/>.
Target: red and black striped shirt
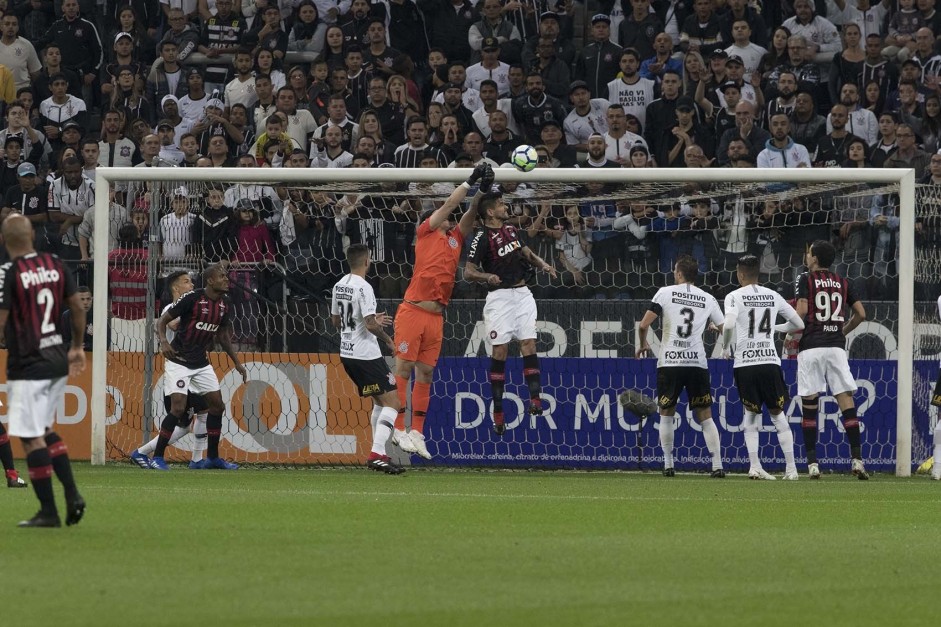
<point x="829" y="303"/>
<point x="200" y="319"/>
<point x="35" y="289"/>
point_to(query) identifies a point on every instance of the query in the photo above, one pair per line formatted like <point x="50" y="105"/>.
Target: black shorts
<point x="761" y="385"/>
<point x="371" y="376"/>
<point x="936" y="397"/>
<point x="671" y="381"/>
<point x="196" y="402"/>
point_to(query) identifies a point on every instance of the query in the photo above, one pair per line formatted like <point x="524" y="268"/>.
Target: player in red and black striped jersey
<point x="35" y="288"/>
<point x="498" y="259"/>
<point x="830" y="311"/>
<point x="205" y="317"/>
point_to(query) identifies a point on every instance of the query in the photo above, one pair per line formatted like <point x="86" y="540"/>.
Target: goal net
<point x="612" y="234"/>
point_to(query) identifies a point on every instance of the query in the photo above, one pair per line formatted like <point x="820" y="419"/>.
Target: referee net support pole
<point x="905" y="178"/>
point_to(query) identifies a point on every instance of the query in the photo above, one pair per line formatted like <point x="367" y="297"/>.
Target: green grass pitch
<point x="482" y="549"/>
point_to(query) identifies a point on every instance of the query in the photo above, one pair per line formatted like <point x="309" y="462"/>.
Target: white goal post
<point x="905" y="179"/>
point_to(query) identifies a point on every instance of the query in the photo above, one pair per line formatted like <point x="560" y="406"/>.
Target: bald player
<point x="35" y="288"/>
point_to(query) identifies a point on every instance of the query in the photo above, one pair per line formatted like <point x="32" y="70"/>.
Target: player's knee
<point x="403" y="367"/>
<point x="389" y="399"/>
<point x="528" y="347"/>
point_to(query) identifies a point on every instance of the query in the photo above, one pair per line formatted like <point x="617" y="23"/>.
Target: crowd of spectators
<point x="451" y="83"/>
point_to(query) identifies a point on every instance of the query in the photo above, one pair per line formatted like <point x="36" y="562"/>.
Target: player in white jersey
<point x="353" y="312"/>
<point x="750" y="316"/>
<point x="686" y="311"/>
<point x="180" y="283"/>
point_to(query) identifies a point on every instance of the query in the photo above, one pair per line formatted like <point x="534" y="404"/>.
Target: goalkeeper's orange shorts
<point x="418" y="334"/>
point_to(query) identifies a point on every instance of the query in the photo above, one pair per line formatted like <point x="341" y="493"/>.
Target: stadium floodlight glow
<point x="165" y="179"/>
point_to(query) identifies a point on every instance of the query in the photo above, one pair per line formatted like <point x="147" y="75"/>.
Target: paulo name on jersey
<point x="353" y="300"/>
<point x="200" y="320"/>
<point x="34" y="289"/>
<point x="755" y="310"/>
<point x="686" y="310"/>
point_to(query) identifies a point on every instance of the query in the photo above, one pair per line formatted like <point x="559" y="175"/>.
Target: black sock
<point x="851" y="425"/>
<point x="213" y="434"/>
<point x="40" y="475"/>
<point x="497" y="384"/>
<point x="59" y="455"/>
<point x="166" y="431"/>
<point x="6" y="451"/>
<point x="531" y="376"/>
<point x="809" y="427"/>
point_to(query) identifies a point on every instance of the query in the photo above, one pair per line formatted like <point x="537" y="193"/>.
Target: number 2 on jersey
<point x="828" y="306"/>
<point x="46" y="300"/>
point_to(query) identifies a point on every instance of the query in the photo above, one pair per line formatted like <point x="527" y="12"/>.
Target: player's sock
<point x="166" y="432"/>
<point x="666" y="440"/>
<point x="851" y="426"/>
<point x="752" y="421"/>
<point x="421" y="398"/>
<point x="213" y="434"/>
<point x="59" y="456"/>
<point x="497" y="384"/>
<point x="711" y="433"/>
<point x="374" y="417"/>
<point x="532" y="378"/>
<point x="199" y="432"/>
<point x="786" y="440"/>
<point x="384" y="428"/>
<point x="40" y="475"/>
<point x="6" y="454"/>
<point x="150" y="447"/>
<point x="401" y="387"/>
<point x="809" y="427"/>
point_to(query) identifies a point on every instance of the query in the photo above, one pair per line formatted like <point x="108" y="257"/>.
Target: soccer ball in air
<point x="524" y="158"/>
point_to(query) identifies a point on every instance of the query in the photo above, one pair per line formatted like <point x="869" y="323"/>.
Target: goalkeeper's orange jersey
<point x="436" y="259"/>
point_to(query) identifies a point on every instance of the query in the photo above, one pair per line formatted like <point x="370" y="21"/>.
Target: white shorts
<point x="179" y="379"/>
<point x="510" y="314"/>
<point x="819" y="368"/>
<point x="32" y="405"/>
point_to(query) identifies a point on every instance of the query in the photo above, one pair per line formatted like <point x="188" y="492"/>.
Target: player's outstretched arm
<point x="456" y="198"/>
<point x="539" y="262"/>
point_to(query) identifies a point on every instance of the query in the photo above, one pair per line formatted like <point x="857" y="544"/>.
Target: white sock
<point x="666" y="440"/>
<point x="150" y="447"/>
<point x="374" y="418"/>
<point x="202" y="441"/>
<point x="786" y="440"/>
<point x="384" y="426"/>
<point x="752" y="420"/>
<point x="711" y="434"/>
